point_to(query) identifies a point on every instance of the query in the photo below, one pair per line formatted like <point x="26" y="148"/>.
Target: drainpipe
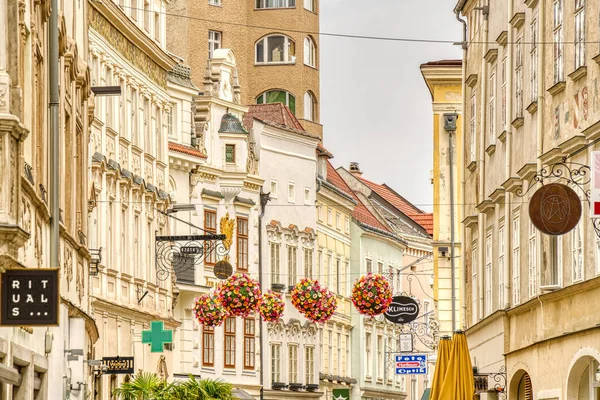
<point x="508" y="155"/>
<point x="54" y="183"/>
<point x="264" y="199"/>
<point x="462" y="178"/>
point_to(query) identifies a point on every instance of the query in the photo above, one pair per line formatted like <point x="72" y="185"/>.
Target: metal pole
<point x="54" y="183"/>
<point x="452" y="262"/>
<point x="264" y="199"/>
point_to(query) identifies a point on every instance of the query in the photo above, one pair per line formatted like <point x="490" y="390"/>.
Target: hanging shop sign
<point x="555" y="209"/>
<point x="403" y="310"/>
<point x="414" y="364"/>
<point x="29" y="297"/>
<point x="406" y="342"/>
<point x="118" y="365"/>
<point x="157" y="336"/>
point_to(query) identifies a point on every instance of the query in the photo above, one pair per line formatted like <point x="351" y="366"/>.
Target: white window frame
<point x="275" y="362"/>
<point x="309" y="106"/>
<point x="488" y="274"/>
<point x="287" y="98"/>
<point x="291" y="192"/>
<point x="309" y="360"/>
<point x="503" y="117"/>
<point x="292" y="253"/>
<point x="267" y="4"/>
<point x="501" y="267"/>
<point x="214" y="41"/>
<point x="519" y="77"/>
<point x="309" y="5"/>
<point x="579" y="33"/>
<point x="293" y="363"/>
<point x="275" y="261"/>
<point x="533" y="61"/>
<point x="368" y="354"/>
<point x="306" y="195"/>
<point x="273" y="193"/>
<point x="532" y="261"/>
<point x="347" y="225"/>
<point x="214" y="2"/>
<point x="338" y="220"/>
<point x="558" y="47"/>
<point x="577" y="245"/>
<point x="310" y="52"/>
<point x="329" y="216"/>
<point x="473" y="127"/>
<point x="516" y="259"/>
<point x="380" y="362"/>
<point x="492" y="107"/>
<point x="288" y="59"/>
<point x="474" y="291"/>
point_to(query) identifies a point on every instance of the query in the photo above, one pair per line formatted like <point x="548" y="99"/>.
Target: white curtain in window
<point x="309" y="107"/>
<point x="309" y="52"/>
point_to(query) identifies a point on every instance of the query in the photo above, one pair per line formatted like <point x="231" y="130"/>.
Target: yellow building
<point x="276" y="47"/>
<point x="443" y="78"/>
<point x="334" y="213"/>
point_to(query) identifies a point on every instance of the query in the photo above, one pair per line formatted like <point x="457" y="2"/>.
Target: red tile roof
<point x="361" y="213"/>
<point x="273" y="114"/>
<point x="323" y="151"/>
<point x="188" y="150"/>
<point x="425" y="220"/>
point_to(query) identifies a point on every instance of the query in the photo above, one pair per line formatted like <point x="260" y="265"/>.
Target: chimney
<point x="355" y="169"/>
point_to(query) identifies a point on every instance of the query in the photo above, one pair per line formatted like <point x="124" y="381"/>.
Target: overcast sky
<point x="375" y="106"/>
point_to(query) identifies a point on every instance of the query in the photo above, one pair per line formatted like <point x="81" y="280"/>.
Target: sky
<point x="375" y="106"/>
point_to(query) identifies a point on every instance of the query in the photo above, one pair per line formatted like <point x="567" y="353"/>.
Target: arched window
<point x="275" y="3"/>
<point x="278" y="96"/>
<point x="309" y="106"/>
<point x="275" y="49"/>
<point x="309" y="51"/>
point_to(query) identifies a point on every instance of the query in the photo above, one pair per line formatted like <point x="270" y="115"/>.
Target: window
<point x="292" y="266"/>
<point x="320" y="212"/>
<point x="275" y="3"/>
<point x="516" y="260"/>
<point x="147" y="16"/>
<point x="503" y="116"/>
<point x="309" y="52"/>
<point x="369" y="266"/>
<point x="275" y="49"/>
<point x="275" y="263"/>
<point x="330" y="350"/>
<point x="147" y="124"/>
<point x="275" y="362"/>
<point x="319" y="263"/>
<point x="230" y="153"/>
<point x="501" y="267"/>
<point x="124" y="249"/>
<point x="345" y="372"/>
<point x="309" y="106"/>
<point x="368" y="357"/>
<point x="579" y="33"/>
<point x="379" y="357"/>
<point x="472" y="126"/>
<point x="309" y="358"/>
<point x="338" y="277"/>
<point x="519" y="78"/>
<point x="533" y="57"/>
<point x="379" y="267"/>
<point x="306" y="195"/>
<point x="532" y="260"/>
<point x="136" y="244"/>
<point x="249" y="343"/>
<point x="169" y="119"/>
<point x="134" y="9"/>
<point x="278" y="96"/>
<point x="214" y="2"/>
<point x="214" y="40"/>
<point x="273" y="193"/>
<point x="347" y="225"/>
<point x="308" y="263"/>
<point x="488" y="274"/>
<point x="230" y="342"/>
<point x="208" y="346"/>
<point x="291" y="192"/>
<point x="492" y="107"/>
<point x="558" y="41"/>
<point x="577" y="251"/>
<point x="338" y="371"/>
<point x="134" y="117"/>
<point x="242" y="243"/>
<point x="474" y="292"/>
<point x="293" y="360"/>
<point x="309" y="5"/>
<point x="157" y="26"/>
<point x="338" y="220"/>
<point x="329" y="216"/>
<point x="210" y="226"/>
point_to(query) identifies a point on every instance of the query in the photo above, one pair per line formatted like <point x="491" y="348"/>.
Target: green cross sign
<point x="157" y="336"/>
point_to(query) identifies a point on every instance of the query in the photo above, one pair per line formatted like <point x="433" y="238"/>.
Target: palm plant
<point x="147" y="386"/>
<point x="144" y="386"/>
<point x="208" y="389"/>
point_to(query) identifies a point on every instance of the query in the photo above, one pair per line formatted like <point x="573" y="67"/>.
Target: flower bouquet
<point x="306" y="295"/>
<point x="325" y="309"/>
<point x="240" y="295"/>
<point x="372" y="294"/>
<point x="208" y="310"/>
<point x="271" y="306"/>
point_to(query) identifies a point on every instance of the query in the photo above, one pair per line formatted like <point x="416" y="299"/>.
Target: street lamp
<point x="181" y="207"/>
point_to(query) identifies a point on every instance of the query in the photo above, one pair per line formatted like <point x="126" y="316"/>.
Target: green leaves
<point x="147" y="386"/>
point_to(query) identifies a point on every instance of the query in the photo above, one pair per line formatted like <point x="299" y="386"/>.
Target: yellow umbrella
<point x="441" y="366"/>
<point x="459" y="383"/>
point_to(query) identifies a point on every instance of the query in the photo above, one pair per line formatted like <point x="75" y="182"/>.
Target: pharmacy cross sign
<point x="157" y="336"/>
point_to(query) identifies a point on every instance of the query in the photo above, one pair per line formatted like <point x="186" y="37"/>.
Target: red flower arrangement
<point x="324" y="309"/>
<point x="208" y="310"/>
<point x="240" y="295"/>
<point x="271" y="306"/>
<point x="306" y="295"/>
<point x="372" y="294"/>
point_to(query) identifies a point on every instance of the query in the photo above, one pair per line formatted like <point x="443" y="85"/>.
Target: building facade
<point x="35" y="361"/>
<point x="443" y="79"/>
<point x="128" y="168"/>
<point x="276" y="44"/>
<point x="530" y="99"/>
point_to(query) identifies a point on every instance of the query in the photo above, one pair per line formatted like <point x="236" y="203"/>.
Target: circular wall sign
<point x="403" y="310"/>
<point x="555" y="209"/>
<point x="223" y="269"/>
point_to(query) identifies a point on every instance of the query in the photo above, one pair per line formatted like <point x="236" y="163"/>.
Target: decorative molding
<point x="502" y="136"/>
<point x="573" y="143"/>
<point x="502" y="38"/>
<point x="596" y="58"/>
<point x="557" y="88"/>
<point x="491" y="149"/>
<point x="485" y="206"/>
<point x="491" y="55"/>
<point x="531" y="3"/>
<point x="470" y="221"/>
<point x="532" y="107"/>
<point x="578" y="73"/>
<point x="517" y="122"/>
<point x="471" y="80"/>
<point x="592" y="132"/>
<point x="517" y="20"/>
<point x="512" y="184"/>
<point x="498" y="195"/>
<point x="472" y="165"/>
<point x="552" y="156"/>
<point x="527" y="171"/>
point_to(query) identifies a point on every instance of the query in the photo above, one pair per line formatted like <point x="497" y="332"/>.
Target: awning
<point x="426" y="393"/>
<point x="242" y="394"/>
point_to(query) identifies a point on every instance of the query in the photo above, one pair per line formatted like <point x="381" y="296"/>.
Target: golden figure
<point x="227" y="226"/>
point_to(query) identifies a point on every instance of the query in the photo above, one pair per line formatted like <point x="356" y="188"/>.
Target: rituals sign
<point x="29" y="297"/>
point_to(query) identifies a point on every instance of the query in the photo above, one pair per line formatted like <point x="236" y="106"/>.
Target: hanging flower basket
<point x="325" y="309"/>
<point x="372" y="294"/>
<point x="271" y="306"/>
<point x="306" y="295"/>
<point x="240" y="295"/>
<point x="208" y="310"/>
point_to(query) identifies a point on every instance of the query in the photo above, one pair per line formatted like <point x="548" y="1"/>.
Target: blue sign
<point x="413" y="364"/>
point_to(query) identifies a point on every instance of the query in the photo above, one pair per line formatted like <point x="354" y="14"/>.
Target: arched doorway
<point x="521" y="387"/>
<point x="584" y="380"/>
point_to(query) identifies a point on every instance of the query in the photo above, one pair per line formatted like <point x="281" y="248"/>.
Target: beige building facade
<point x="530" y="99"/>
<point x="276" y="44"/>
